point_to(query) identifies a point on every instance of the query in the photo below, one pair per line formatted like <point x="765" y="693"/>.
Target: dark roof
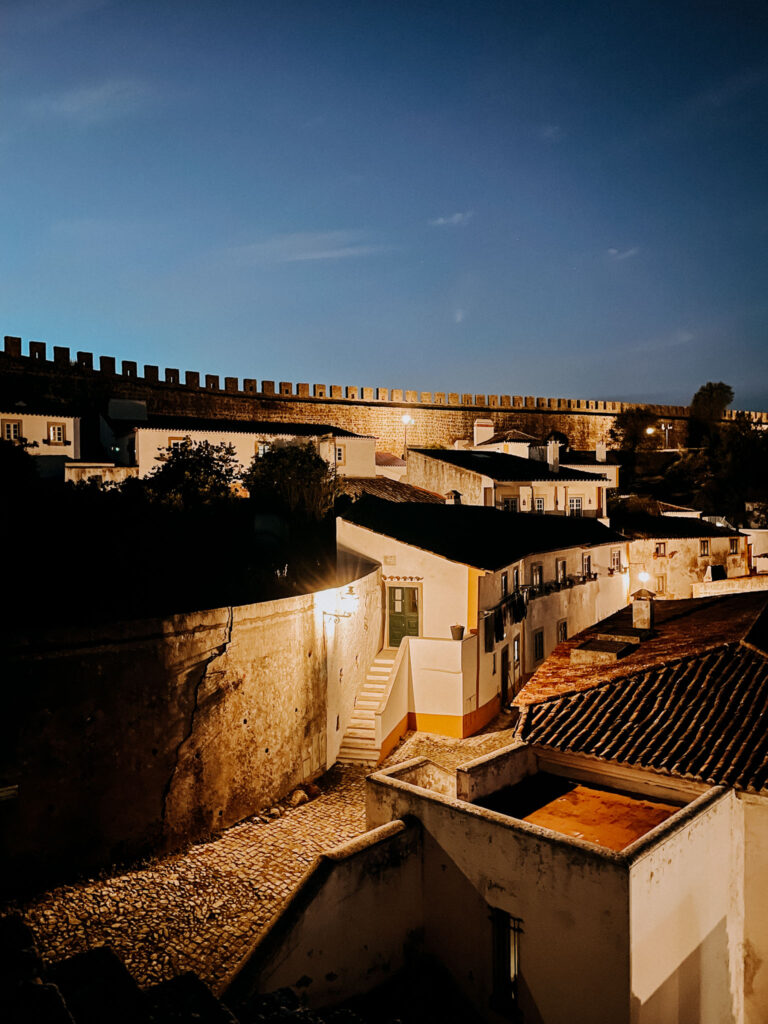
<point x="570" y="457"/>
<point x="702" y="717"/>
<point x="273" y="428"/>
<point x="486" y="538"/>
<point x="386" y="488"/>
<point x="501" y="467"/>
<point x="511" y="435"/>
<point x="639" y="526"/>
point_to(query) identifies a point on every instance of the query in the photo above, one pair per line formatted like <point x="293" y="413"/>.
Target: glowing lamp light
<point x="650" y="430"/>
<point x="406" y="419"/>
<point x="643" y="577"/>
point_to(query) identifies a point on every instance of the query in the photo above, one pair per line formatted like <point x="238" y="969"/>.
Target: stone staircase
<point x="358" y="745"/>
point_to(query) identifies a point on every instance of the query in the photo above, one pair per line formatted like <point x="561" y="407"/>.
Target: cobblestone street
<point x="202" y="909"/>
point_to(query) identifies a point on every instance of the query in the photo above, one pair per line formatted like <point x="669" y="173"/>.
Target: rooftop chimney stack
<point x="453" y="498"/>
<point x="483" y="430"/>
<point x="600" y="449"/>
<point x="642" y="609"/>
<point x="553" y="455"/>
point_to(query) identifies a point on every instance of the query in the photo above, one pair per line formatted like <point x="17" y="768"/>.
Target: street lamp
<point x="666" y="427"/>
<point x="406" y="419"/>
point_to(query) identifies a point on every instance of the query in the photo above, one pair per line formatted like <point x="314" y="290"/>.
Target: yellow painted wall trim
<point x="394" y="737"/>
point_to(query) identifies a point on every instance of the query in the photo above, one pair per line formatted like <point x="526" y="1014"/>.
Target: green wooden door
<point x="403" y="613"/>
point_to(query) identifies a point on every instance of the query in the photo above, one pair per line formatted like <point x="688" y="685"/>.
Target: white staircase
<point x="358" y="745"/>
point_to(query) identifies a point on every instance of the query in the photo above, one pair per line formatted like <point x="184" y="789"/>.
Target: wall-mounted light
<point x="643" y="577"/>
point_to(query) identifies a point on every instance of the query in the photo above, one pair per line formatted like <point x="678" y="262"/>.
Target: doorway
<point x="504" y="675"/>
<point x="402" y="614"/>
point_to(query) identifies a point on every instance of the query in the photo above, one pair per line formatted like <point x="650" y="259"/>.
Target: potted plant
<point x="457" y="632"/>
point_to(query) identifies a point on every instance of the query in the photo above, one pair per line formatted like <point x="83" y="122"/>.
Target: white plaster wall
<point x="759" y="542"/>
<point x="335" y="940"/>
<point x="581" y="605"/>
<point x="437" y="684"/>
<point x="34" y="429"/>
<point x="755" y="948"/>
<point x="359" y="452"/>
<point x="686" y="901"/>
<point x="440" y="477"/>
<point x="444" y="599"/>
<point x="573" y="903"/>
<point x="682" y="564"/>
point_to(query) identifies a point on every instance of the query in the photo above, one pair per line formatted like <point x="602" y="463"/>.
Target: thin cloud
<point x="90" y="104"/>
<point x="453" y="220"/>
<point x="551" y="133"/>
<point x="44" y="15"/>
<point x="674" y="339"/>
<point x="302" y="247"/>
<point x="458" y="316"/>
<point x="623" y="254"/>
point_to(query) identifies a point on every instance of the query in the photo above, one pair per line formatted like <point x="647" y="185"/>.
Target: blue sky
<point x="563" y="199"/>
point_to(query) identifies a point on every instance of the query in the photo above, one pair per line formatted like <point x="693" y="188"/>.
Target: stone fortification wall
<point x="438" y="417"/>
<point x="142" y="736"/>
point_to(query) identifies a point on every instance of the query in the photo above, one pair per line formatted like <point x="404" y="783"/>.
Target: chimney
<point x="642" y="609"/>
<point x="453" y="498"/>
<point x="600" y="451"/>
<point x="483" y="431"/>
<point x="553" y="455"/>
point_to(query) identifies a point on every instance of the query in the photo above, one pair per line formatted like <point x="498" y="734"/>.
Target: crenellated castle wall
<point x="438" y="417"/>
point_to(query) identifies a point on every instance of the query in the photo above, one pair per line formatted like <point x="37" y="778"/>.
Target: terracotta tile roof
<point x="511" y="435"/>
<point x="389" y="490"/>
<point x="683" y="629"/>
<point x="501" y="467"/>
<point x="702" y="717"/>
<point x="388" y="459"/>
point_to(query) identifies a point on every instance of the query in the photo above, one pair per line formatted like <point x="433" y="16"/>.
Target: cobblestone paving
<point x="201" y="910"/>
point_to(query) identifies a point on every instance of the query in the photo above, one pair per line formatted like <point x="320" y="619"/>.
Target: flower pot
<point x="457" y="632"/>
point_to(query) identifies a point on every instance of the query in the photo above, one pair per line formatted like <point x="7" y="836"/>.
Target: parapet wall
<point x="438" y="417"/>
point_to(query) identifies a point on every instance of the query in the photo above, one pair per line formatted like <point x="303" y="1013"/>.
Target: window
<point x="509" y="504"/>
<point x="516" y="650"/>
<point x="660" y="549"/>
<point x="615" y="558"/>
<point x="734" y="546"/>
<point x="515" y="579"/>
<point x="507" y="933"/>
<point x="574" y="506"/>
<point x="538" y="504"/>
<point x="538" y="645"/>
<point x="57" y="433"/>
<point x="562" y="630"/>
<point x="586" y="565"/>
<point x="262" y="447"/>
<point x="504" y="584"/>
<point x="11" y="430"/>
<point x="661" y="584"/>
<point x="703" y="547"/>
<point x="175" y="442"/>
<point x="537" y="575"/>
<point x="341" y="453"/>
<point x="560" y="570"/>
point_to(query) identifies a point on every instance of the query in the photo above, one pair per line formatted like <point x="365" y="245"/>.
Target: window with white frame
<point x="703" y="547"/>
<point x="504" y="584"/>
<point x="509" y="504"/>
<point x="586" y="564"/>
<point x="733" y="546"/>
<point x="537" y="575"/>
<point x="516" y="650"/>
<point x="515" y="579"/>
<point x="11" y="430"/>
<point x="661" y="584"/>
<point x="574" y="506"/>
<point x="262" y="447"/>
<point x="661" y="548"/>
<point x="538" y="504"/>
<point x="57" y="433"/>
<point x="615" y="558"/>
<point x="560" y="570"/>
<point x="176" y="442"/>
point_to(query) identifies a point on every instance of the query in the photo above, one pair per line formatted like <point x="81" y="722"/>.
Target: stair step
<point x="367" y="705"/>
<point x="357" y="743"/>
<point x="360" y="734"/>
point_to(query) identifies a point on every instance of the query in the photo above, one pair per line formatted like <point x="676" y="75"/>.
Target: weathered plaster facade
<point x="144" y="735"/>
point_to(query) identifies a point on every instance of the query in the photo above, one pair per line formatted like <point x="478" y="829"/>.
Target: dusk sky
<point x="558" y="199"/>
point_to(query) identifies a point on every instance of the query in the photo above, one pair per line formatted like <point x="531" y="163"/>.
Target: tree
<point x="707" y="408"/>
<point x="293" y="478"/>
<point x="193" y="473"/>
<point x="634" y="430"/>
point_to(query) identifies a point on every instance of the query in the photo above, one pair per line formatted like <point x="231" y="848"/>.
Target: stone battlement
<point x="61" y="359"/>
